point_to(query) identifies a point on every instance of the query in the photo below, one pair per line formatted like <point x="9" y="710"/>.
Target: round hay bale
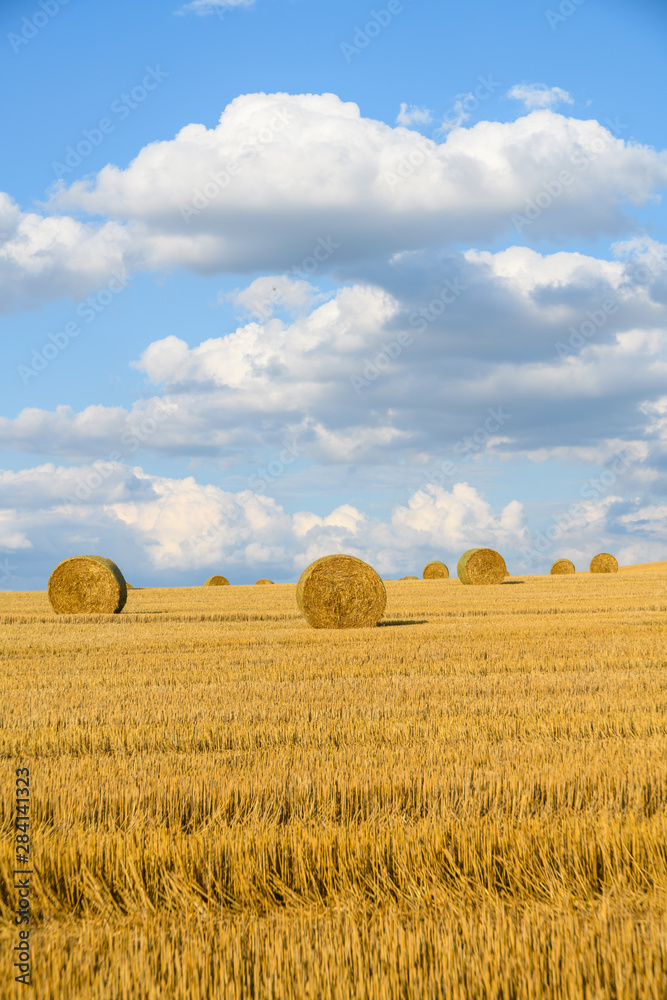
<point x="87" y="585"/>
<point x="408" y="578"/>
<point x="562" y="566"/>
<point x="341" y="592"/>
<point x="129" y="585"/>
<point x="435" y="570"/>
<point x="263" y="580"/>
<point x="604" y="562"/>
<point x="217" y="581"/>
<point x="481" y="566"/>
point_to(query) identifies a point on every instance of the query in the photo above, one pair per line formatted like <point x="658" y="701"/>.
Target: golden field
<point x="467" y="801"/>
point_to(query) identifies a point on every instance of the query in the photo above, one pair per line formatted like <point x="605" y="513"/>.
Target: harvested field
<point x="468" y="801"/>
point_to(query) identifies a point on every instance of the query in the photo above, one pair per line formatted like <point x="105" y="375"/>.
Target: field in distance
<point x="467" y="801"/>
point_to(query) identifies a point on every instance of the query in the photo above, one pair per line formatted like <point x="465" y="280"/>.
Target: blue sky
<point x="506" y="97"/>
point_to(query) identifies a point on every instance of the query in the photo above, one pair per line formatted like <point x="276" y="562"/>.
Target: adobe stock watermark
<point x="220" y="180"/>
<point x="419" y="319"/>
<point x="323" y="249"/>
<point x="576" y="515"/>
<point x="31" y="26"/>
<point x="222" y="9"/>
<point x="465" y="448"/>
<point x="465" y="104"/>
<point x="258" y="482"/>
<point x="121" y="108"/>
<point x="6" y="571"/>
<point x="565" y="9"/>
<point x="132" y="439"/>
<point x="381" y="362"/>
<point x="377" y="22"/>
<point x="424" y="148"/>
<point x="554" y="188"/>
<point x="596" y="318"/>
<point x="59" y="341"/>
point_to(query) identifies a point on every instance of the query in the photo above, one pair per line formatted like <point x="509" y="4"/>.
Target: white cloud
<point x="165" y="531"/>
<point x="378" y="371"/>
<point x="182" y="526"/>
<point x="10" y="539"/>
<point x="276" y="292"/>
<point x="538" y="95"/>
<point x="410" y="114"/>
<point x="460" y="515"/>
<point x="296" y="183"/>
<point x="458" y="113"/>
<point x="44" y="258"/>
<point x="203" y="7"/>
<point x="651" y="518"/>
<point x="281" y="171"/>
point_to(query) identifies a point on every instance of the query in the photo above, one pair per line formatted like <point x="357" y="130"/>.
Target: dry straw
<point x="435" y="570"/>
<point x="87" y="585"/>
<point x="604" y="562"/>
<point x="341" y="591"/>
<point x="216" y="581"/>
<point x="409" y="578"/>
<point x="263" y="580"/>
<point x="562" y="566"/>
<point x="480" y="566"/>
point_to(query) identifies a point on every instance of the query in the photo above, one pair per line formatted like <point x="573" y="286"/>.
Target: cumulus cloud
<point x="281" y="171"/>
<point x="45" y="257"/>
<point x="292" y="184"/>
<point x="182" y="526"/>
<point x="411" y="363"/>
<point x="275" y="293"/>
<point x="538" y="95"/>
<point x="410" y="114"/>
<point x="167" y="531"/>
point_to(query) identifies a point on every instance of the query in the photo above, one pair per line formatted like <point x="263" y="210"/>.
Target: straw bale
<point x="341" y="591"/>
<point x="263" y="580"/>
<point x="216" y="581"/>
<point x="562" y="566"/>
<point x="481" y="566"/>
<point x="604" y="562"/>
<point x="87" y="585"/>
<point x="435" y="570"/>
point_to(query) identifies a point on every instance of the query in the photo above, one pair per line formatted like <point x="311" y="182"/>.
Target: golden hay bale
<point x="480" y="566"/>
<point x="562" y="566"/>
<point x="216" y="581"/>
<point x="604" y="562"/>
<point x="435" y="570"/>
<point x="129" y="585"/>
<point x="87" y="585"/>
<point x="263" y="580"/>
<point x="409" y="578"/>
<point x="341" y="592"/>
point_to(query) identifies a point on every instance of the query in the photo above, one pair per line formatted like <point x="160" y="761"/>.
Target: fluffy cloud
<point x="166" y="531"/>
<point x="302" y="183"/>
<point x="181" y="526"/>
<point x="275" y="292"/>
<point x="538" y="95"/>
<point x="571" y="348"/>
<point x="43" y="258"/>
<point x="409" y="114"/>
<point x="280" y="171"/>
